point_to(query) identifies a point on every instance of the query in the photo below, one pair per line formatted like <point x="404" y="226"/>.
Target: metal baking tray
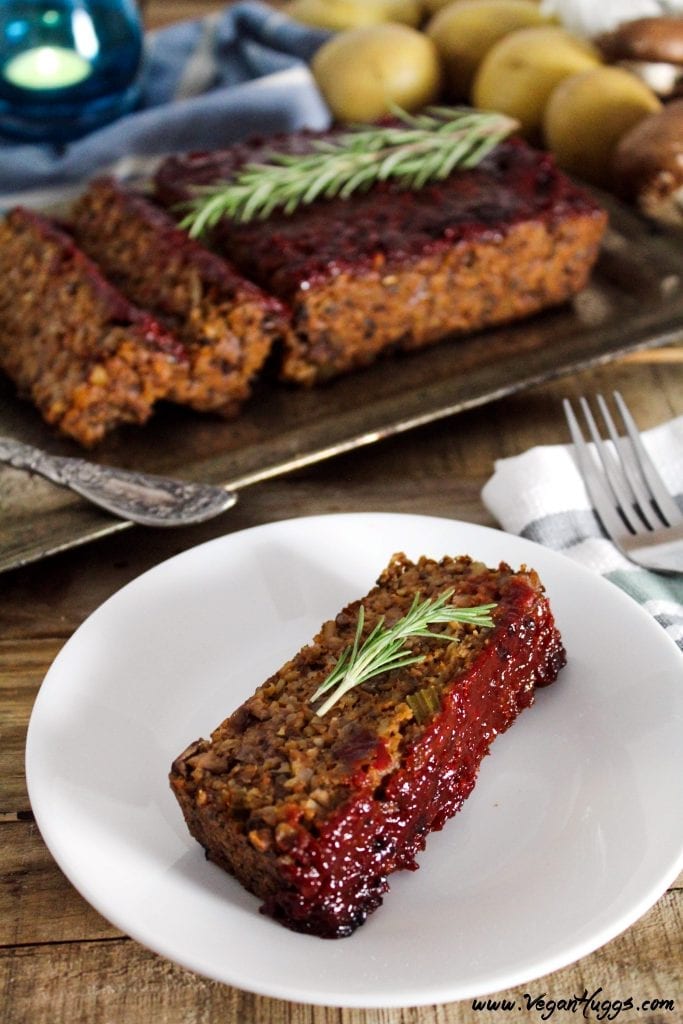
<point x="634" y="300"/>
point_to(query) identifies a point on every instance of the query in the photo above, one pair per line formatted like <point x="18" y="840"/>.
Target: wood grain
<point x="59" y="960"/>
<point x="82" y="983"/>
<point x="37" y="903"/>
<point x="88" y="971"/>
<point x="22" y="667"/>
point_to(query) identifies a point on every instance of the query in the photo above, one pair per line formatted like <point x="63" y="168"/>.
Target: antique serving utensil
<point x="139" y="497"/>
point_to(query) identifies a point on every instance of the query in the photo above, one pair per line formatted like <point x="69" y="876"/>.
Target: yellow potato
<point x="341" y="14"/>
<point x="465" y="31"/>
<point x="586" y="116"/>
<point x="520" y="71"/>
<point x="363" y="71"/>
<point x="432" y="6"/>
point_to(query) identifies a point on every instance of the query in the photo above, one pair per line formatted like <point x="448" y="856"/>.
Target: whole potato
<point x="341" y="14"/>
<point x="432" y="6"/>
<point x="465" y="31"/>
<point x="520" y="71"/>
<point x="363" y="71"/>
<point x="588" y="113"/>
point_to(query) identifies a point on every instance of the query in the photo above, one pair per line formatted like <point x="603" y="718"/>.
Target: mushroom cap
<point x="645" y="39"/>
<point x="647" y="165"/>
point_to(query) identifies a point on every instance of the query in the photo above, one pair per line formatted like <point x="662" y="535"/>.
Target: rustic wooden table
<point x="60" y="961"/>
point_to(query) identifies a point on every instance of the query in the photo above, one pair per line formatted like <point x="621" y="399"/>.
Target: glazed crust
<point x="71" y="342"/>
<point x="394" y="269"/>
<point x="226" y="324"/>
<point x="312" y="814"/>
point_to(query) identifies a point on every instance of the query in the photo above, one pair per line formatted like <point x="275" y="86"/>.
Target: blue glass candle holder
<point x="66" y="67"/>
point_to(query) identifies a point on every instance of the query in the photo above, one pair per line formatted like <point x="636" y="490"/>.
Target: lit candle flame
<point x="47" y="67"/>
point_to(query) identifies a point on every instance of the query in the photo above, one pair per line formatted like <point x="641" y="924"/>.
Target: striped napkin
<point x="541" y="496"/>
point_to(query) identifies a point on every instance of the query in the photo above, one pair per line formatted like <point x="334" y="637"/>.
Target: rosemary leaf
<point x="384" y="649"/>
<point x="422" y="148"/>
<point x="318" y="186"/>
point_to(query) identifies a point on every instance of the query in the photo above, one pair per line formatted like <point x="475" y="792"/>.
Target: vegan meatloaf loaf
<point x="226" y="324"/>
<point x="86" y="357"/>
<point x="392" y="269"/>
<point x="312" y="813"/>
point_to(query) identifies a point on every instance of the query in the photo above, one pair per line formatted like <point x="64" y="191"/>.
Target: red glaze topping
<point x="340" y="875"/>
<point x="173" y="242"/>
<point x="384" y="227"/>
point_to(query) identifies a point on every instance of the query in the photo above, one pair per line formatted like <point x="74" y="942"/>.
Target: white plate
<point x="573" y="831"/>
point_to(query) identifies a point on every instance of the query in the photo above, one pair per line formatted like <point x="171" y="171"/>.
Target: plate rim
<point x="445" y="992"/>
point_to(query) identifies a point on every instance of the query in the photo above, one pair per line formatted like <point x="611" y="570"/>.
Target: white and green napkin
<point x="540" y="495"/>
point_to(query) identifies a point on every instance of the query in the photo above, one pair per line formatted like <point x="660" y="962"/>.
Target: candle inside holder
<point x="66" y="66"/>
<point x="47" y="67"/>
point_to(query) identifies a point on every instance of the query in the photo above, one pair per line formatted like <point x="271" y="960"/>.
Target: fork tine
<point x="637" y="482"/>
<point x="635" y="502"/>
<point x="619" y="482"/>
<point x="665" y="502"/>
<point x="601" y="499"/>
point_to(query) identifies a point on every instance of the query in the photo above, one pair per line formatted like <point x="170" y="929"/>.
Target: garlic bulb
<point x="588" y="18"/>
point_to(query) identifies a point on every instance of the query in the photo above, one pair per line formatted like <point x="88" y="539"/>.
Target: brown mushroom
<point x="648" y="164"/>
<point x="652" y="48"/>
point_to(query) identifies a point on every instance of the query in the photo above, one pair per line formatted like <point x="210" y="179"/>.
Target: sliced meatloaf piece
<point x="226" y="324"/>
<point x="392" y="269"/>
<point x="312" y="813"/>
<point x="86" y="357"/>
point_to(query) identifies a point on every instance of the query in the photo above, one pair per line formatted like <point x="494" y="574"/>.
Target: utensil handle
<point x="140" y="497"/>
<point x="25" y="456"/>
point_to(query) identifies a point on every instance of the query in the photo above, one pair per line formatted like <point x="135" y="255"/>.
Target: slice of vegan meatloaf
<point x="391" y="269"/>
<point x="312" y="813"/>
<point x="85" y="356"/>
<point x="226" y="324"/>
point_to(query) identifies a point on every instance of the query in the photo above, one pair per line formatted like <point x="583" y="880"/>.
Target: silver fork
<point x="627" y="492"/>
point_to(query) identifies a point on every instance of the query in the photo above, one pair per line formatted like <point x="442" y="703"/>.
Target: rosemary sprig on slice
<point x="384" y="648"/>
<point x="425" y="147"/>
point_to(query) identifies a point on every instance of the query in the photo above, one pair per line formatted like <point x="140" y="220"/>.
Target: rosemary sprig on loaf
<point x="423" y="148"/>
<point x="384" y="649"/>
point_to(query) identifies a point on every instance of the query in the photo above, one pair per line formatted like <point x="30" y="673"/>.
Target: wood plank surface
<point x="117" y="982"/>
<point x="37" y="903"/>
<point x="88" y="971"/>
<point x="22" y="667"/>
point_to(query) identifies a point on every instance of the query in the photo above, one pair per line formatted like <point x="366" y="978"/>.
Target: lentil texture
<point x="394" y="270"/>
<point x="86" y="357"/>
<point x="226" y="323"/>
<point x="312" y="813"/>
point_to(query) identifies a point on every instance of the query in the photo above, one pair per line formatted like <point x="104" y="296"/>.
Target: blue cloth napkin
<point x="204" y="84"/>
